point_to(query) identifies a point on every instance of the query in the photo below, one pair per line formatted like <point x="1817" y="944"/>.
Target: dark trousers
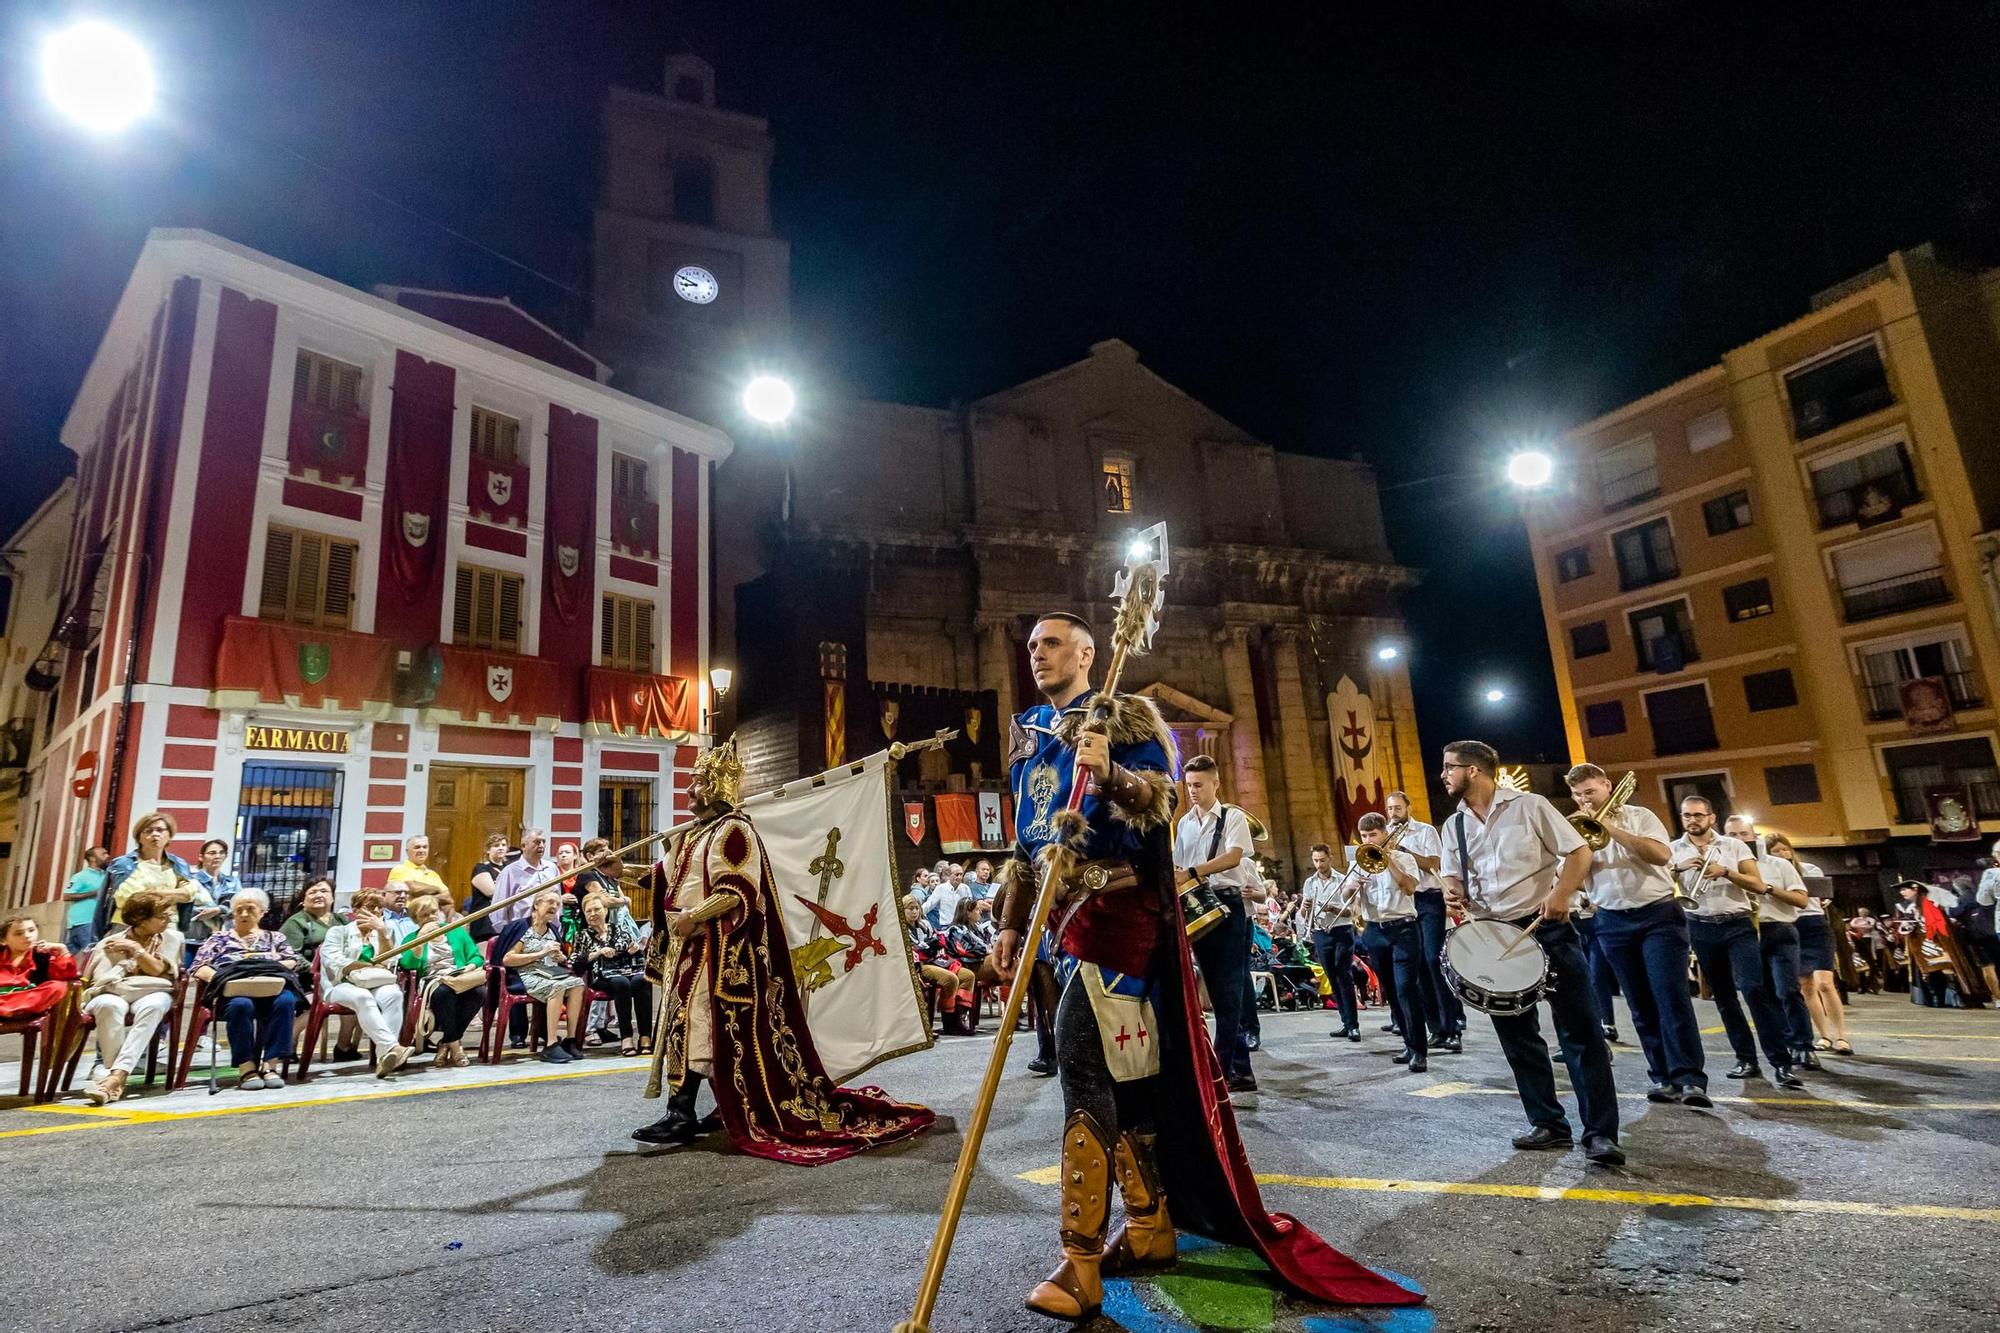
<point x="1224" y="955"/>
<point x="1381" y="961"/>
<point x="1086" y="1080"/>
<point x="1778" y="941"/>
<point x="260" y="1027"/>
<point x="1396" y="949"/>
<point x="1578" y="1031"/>
<point x="1441" y="1006"/>
<point x="453" y="1010"/>
<point x="1732" y="965"/>
<point x="629" y="993"/>
<point x="1042" y="983"/>
<point x="1601" y="983"/>
<point x="1647" y="948"/>
<point x="1335" y="951"/>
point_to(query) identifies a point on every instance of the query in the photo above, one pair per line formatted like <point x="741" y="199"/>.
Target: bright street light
<point x="1530" y="469"/>
<point x="97" y="75"/>
<point x="769" y="399"/>
<point x="1388" y="652"/>
<point x="1496" y="695"/>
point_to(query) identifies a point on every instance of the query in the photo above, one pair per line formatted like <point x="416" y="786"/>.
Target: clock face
<point x="697" y="285"/>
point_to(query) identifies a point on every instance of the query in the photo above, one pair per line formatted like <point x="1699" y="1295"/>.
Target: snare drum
<point x="1495" y="967"/>
<point x="1203" y="910"/>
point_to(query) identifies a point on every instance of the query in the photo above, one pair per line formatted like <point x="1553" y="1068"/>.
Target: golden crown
<point x="718" y="776"/>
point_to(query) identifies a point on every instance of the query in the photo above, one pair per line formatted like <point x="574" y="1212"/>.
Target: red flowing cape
<point x="773" y="1093"/>
<point x="1209" y="1186"/>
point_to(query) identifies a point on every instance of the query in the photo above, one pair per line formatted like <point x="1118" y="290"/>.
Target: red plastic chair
<point x="45" y="1033"/>
<point x="198" y="1024"/>
<point x="316" y="1017"/>
<point x="500" y="1004"/>
<point x="168" y="1032"/>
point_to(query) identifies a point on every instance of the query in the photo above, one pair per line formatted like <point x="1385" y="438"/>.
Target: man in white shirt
<point x="1327" y="907"/>
<point x="1778" y="938"/>
<point x="942" y="904"/>
<point x="1389" y="905"/>
<point x="1442" y="1011"/>
<point x="1643" y="934"/>
<point x="1718" y="879"/>
<point x="1510" y="856"/>
<point x="1212" y="843"/>
<point x="527" y="868"/>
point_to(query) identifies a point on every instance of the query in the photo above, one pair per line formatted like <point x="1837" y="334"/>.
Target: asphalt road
<point x="1872" y="1201"/>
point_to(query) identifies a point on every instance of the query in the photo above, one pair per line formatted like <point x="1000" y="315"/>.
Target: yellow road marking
<point x="95" y="1117"/>
<point x="1050" y="1175"/>
<point x="1898" y="1036"/>
<point x="1827" y="1103"/>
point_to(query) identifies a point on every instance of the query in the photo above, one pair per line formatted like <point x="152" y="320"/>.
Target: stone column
<point x="1246" y="741"/>
<point x="996" y="667"/>
<point x="1307" y="802"/>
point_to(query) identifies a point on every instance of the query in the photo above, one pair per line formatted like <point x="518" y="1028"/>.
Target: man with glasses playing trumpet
<point x="1642" y="929"/>
<point x="1387" y="877"/>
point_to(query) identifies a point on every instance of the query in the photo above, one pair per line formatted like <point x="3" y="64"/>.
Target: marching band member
<point x="1331" y="929"/>
<point x="1819" y="958"/>
<point x="1441" y="1008"/>
<point x="1778" y="937"/>
<point x="1718" y="875"/>
<point x="1388" y="903"/>
<point x="1510" y="856"/>
<point x="1643" y="934"/>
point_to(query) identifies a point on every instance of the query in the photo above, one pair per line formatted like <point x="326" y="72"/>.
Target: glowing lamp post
<point x="769" y="400"/>
<point x="1530" y="469"/>
<point x="98" y="76"/>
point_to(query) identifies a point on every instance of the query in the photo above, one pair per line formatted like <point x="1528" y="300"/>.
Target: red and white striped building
<point x="350" y="567"/>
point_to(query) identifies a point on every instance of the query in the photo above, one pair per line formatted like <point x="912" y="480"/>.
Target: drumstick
<point x="1526" y="935"/>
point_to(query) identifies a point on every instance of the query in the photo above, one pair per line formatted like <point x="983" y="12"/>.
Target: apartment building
<point x="1773" y="583"/>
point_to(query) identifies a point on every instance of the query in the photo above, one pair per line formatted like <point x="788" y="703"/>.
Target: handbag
<point x="464" y="979"/>
<point x="369" y="978"/>
<point x="133" y="988"/>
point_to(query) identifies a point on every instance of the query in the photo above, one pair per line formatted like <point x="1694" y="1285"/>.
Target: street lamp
<point x="769" y="399"/>
<point x="718" y="681"/>
<point x="97" y="75"/>
<point x="1388" y="652"/>
<point x="1495" y="695"/>
<point x="1530" y="469"/>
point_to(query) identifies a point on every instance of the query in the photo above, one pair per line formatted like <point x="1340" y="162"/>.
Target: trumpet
<point x="1374" y="860"/>
<point x="1589" y="824"/>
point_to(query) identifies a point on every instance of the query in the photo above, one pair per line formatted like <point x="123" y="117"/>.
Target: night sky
<point x="1408" y="240"/>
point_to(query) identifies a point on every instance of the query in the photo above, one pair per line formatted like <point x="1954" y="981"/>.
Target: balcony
<point x="1885" y="700"/>
<point x="635" y="525"/>
<point x="1900" y="592"/>
<point x="1866" y="503"/>
<point x="497" y="491"/>
<point x="1913" y="805"/>
<point x="327" y="445"/>
<point x="1630" y="489"/>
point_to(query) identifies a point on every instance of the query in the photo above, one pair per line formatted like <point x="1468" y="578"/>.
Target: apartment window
<point x="1884" y="668"/>
<point x="308" y="578"/>
<point x="624" y="810"/>
<point x="1626" y="474"/>
<point x="1837" y="389"/>
<point x="1711" y="787"/>
<point x="1663" y="636"/>
<point x="1605" y="719"/>
<point x="1727" y="513"/>
<point x="1682" y="721"/>
<point x="1573" y="564"/>
<point x="486" y="612"/>
<point x="1917" y="770"/>
<point x="1645" y="554"/>
<point x="1766" y="690"/>
<point x="630" y="479"/>
<point x="1708" y="430"/>
<point x="1589" y="640"/>
<point x="495" y="438"/>
<point x="1889" y="574"/>
<point x="1865" y="488"/>
<point x="1748" y="600"/>
<point x="1116" y="482"/>
<point x="625" y="639"/>
<point x="322" y="382"/>
<point x="1792" y="784"/>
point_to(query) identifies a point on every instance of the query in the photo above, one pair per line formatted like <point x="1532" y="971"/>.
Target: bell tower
<point x="693" y="291"/>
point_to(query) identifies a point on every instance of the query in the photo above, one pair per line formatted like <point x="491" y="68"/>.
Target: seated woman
<point x="454" y="973"/>
<point x="130" y="989"/>
<point x="34" y="974"/>
<point x="305" y="929"/>
<point x="260" y="1026"/>
<point x="541" y="962"/>
<point x="350" y="977"/>
<point x="954" y="985"/>
<point x="615" y="959"/>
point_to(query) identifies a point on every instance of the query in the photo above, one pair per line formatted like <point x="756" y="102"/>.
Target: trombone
<point x="1589" y="824"/>
<point x="1372" y="859"/>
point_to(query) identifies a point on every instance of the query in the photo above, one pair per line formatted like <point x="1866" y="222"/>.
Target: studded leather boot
<point x="1145" y="1239"/>
<point x="1075" y="1291"/>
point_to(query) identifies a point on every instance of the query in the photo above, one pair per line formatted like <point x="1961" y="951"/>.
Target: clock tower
<point x="692" y="289"/>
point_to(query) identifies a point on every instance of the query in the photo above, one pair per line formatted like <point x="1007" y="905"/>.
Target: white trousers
<point x="125" y="1027"/>
<point x="379" y="1012"/>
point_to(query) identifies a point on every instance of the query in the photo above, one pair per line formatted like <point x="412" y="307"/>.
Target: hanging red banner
<point x="957" y="822"/>
<point x="913" y="822"/>
<point x="498" y="491"/>
<point x="497" y="687"/>
<point x="268" y="662"/>
<point x="632" y="703"/>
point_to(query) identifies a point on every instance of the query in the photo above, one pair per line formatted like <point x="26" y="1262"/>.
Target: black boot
<point x="678" y="1125"/>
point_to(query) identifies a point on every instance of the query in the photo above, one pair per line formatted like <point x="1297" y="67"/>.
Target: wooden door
<point x="466" y="806"/>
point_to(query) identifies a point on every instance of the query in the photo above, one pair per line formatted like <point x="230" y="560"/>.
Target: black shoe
<point x="1807" y="1060"/>
<point x="1455" y="1043"/>
<point x="1401" y="1057"/>
<point x="1041" y="1068"/>
<point x="1390" y="1027"/>
<point x="709" y="1123"/>
<point x="1611" y="1032"/>
<point x="1350" y="1034"/>
<point x="574" y="1047"/>
<point x="1664" y="1093"/>
<point x="1440" y="1042"/>
<point x="1241" y="1085"/>
<point x="342" y="1054"/>
<point x="1783" y="1076"/>
<point x="1418" y="1064"/>
<point x="607" y="1036"/>
<point x="1696" y="1097"/>
<point x="1746" y="1069"/>
<point x="555" y="1055"/>
<point x="1603" y="1151"/>
<point x="1254" y="1040"/>
<point x="1541" y="1136"/>
<point x="673" y="1127"/>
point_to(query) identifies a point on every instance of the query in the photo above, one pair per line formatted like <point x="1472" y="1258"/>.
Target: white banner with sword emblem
<point x="829" y="840"/>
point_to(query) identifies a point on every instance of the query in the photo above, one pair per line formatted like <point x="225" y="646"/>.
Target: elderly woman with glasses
<point x="260" y="1026"/>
